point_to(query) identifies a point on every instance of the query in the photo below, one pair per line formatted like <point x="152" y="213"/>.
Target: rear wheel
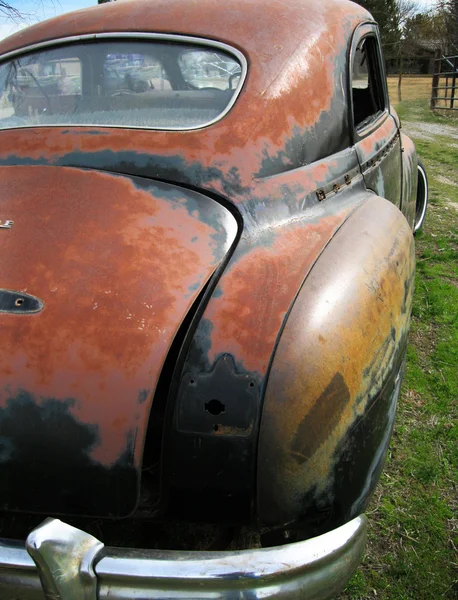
<point x="422" y="197"/>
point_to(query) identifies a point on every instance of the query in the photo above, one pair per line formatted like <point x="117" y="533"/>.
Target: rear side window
<point x="367" y="83"/>
<point x="148" y="84"/>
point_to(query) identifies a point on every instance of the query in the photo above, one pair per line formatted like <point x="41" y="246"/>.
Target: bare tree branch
<point x="10" y="12"/>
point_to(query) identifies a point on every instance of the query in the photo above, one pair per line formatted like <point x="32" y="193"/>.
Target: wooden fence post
<point x="436" y="77"/>
<point x="452" y="99"/>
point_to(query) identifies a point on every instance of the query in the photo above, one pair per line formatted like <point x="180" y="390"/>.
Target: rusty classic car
<point x="206" y="275"/>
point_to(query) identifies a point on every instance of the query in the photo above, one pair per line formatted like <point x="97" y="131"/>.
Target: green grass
<point x="413" y="532"/>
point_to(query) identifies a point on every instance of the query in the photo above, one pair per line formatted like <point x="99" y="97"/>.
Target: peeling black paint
<point x="45" y="463"/>
<point x="199" y="443"/>
<point x="143" y="396"/>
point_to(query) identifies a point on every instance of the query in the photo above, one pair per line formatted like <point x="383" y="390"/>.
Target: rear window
<point x="149" y="84"/>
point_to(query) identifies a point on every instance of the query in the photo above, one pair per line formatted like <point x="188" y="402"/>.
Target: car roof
<point x="293" y="107"/>
<point x="268" y="30"/>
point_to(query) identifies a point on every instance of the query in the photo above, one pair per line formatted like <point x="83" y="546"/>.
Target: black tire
<point x="422" y="197"/>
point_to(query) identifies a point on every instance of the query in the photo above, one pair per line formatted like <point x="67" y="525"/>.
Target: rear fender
<point x="331" y="396"/>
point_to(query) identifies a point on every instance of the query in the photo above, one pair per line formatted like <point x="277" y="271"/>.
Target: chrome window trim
<point x="359" y="133"/>
<point x="126" y="35"/>
<point x="419" y="222"/>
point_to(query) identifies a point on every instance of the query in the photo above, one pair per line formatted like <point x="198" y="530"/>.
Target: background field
<point x="413" y="535"/>
<point x="413" y="88"/>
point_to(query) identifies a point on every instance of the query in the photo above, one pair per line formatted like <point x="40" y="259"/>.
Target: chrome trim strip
<point x="18" y="574"/>
<point x="419" y="222"/>
<point x="317" y="568"/>
<point x="143" y="36"/>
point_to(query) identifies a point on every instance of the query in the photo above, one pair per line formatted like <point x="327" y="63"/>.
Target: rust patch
<point x="255" y="294"/>
<point x="225" y="430"/>
<point x="118" y="268"/>
<point x="372" y="143"/>
<point x="280" y="98"/>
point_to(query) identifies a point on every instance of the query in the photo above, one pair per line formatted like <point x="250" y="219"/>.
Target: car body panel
<point x="378" y="144"/>
<point x="117" y="262"/>
<point x="338" y="357"/>
<point x="230" y="353"/>
<point x="255" y="139"/>
<point x="380" y="157"/>
<point x="295" y="193"/>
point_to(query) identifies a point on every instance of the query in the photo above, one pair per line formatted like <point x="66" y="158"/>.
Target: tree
<point x="405" y="11"/>
<point x="392" y="16"/>
<point x="8" y="11"/>
<point x="447" y="24"/>
<point x="385" y="13"/>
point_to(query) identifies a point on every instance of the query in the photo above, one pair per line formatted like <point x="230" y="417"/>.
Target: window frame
<point x="363" y="31"/>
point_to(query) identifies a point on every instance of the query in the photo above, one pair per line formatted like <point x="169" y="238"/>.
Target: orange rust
<point x="228" y="430"/>
<point x="241" y="24"/>
<point x="256" y="294"/>
<point x="115" y="266"/>
<point x="109" y="346"/>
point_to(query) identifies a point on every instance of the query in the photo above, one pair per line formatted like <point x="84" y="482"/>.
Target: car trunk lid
<point x="97" y="273"/>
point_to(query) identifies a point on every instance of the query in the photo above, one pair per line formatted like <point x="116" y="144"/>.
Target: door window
<point x="368" y="88"/>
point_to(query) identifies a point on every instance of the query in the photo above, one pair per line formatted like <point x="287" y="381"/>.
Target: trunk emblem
<point x="6" y="224"/>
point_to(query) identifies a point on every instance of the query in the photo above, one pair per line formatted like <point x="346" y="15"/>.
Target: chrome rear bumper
<point x="69" y="564"/>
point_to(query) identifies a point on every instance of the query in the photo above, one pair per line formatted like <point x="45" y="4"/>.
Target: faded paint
<point x="117" y="265"/>
<point x="339" y="347"/>
<point x="380" y="158"/>
<point x="257" y="127"/>
<point x="120" y="261"/>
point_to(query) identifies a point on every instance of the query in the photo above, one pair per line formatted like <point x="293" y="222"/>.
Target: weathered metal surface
<point x="284" y="157"/>
<point x="241" y="322"/>
<point x="264" y="132"/>
<point x="259" y="164"/>
<point x="339" y="354"/>
<point x="117" y="262"/>
<point x="380" y="156"/>
<point x="377" y="144"/>
<point x="317" y="568"/>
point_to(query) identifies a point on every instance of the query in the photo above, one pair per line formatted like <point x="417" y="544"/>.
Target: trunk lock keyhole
<point x="215" y="407"/>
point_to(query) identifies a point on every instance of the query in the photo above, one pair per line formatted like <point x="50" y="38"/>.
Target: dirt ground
<point x="429" y="131"/>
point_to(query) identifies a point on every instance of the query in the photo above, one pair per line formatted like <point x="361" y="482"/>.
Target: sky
<point x="38" y="10"/>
